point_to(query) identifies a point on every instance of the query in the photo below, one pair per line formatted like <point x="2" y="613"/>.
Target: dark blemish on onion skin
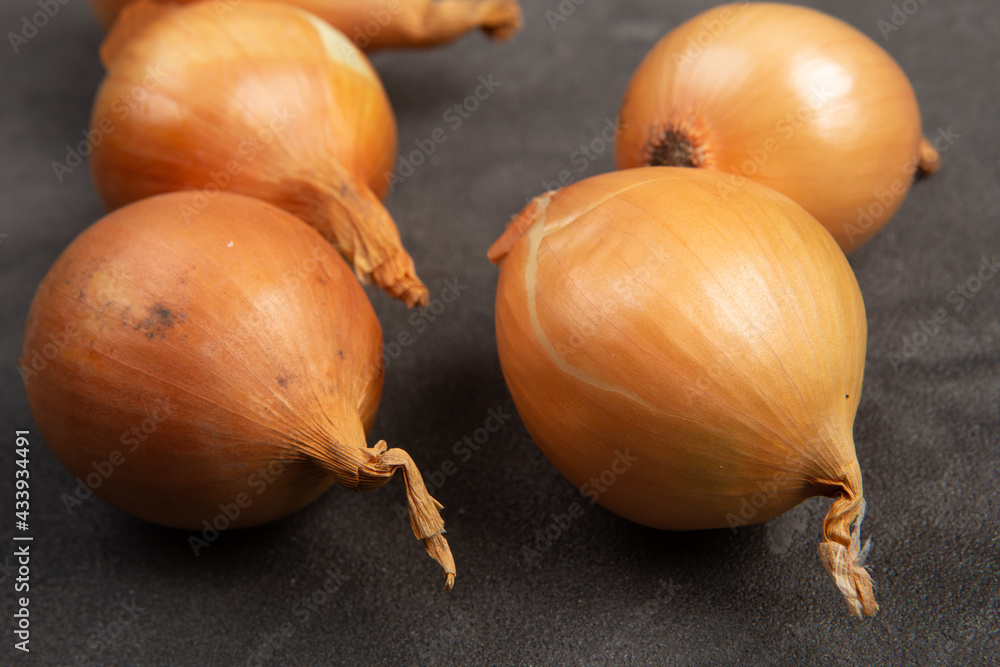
<point x="158" y="321"/>
<point x="282" y="380"/>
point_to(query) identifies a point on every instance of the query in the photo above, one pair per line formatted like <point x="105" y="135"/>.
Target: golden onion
<point x="215" y="373"/>
<point x="715" y="335"/>
<point x="785" y="96"/>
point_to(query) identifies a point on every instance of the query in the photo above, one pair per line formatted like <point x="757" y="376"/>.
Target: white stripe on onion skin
<point x="786" y="96"/>
<point x="616" y="297"/>
<point x="254" y="331"/>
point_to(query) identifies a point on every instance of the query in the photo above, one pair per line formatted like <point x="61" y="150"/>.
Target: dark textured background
<point x="607" y="591"/>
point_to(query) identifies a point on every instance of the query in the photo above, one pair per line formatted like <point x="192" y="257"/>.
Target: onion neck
<point x="446" y="19"/>
<point x="841" y="552"/>
<point x="433" y="22"/>
<point x="928" y="158"/>
<point x="364" y="469"/>
<point x="354" y="220"/>
<point x="519" y="226"/>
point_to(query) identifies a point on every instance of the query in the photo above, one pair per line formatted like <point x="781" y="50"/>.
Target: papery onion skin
<point x="716" y="334"/>
<point x="380" y="24"/>
<point x="234" y="355"/>
<point x="788" y="97"/>
<point x="263" y="99"/>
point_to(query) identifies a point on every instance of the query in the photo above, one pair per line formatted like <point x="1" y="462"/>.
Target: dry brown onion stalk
<point x="381" y="24"/>
<point x="229" y="363"/>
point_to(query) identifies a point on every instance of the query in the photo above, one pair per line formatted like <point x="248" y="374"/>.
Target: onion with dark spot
<point x="227" y="363"/>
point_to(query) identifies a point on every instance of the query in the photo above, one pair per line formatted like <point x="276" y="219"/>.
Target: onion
<point x="226" y="365"/>
<point x="379" y="24"/>
<point x="715" y="335"/>
<point x="785" y="96"/>
<point x="261" y="99"/>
